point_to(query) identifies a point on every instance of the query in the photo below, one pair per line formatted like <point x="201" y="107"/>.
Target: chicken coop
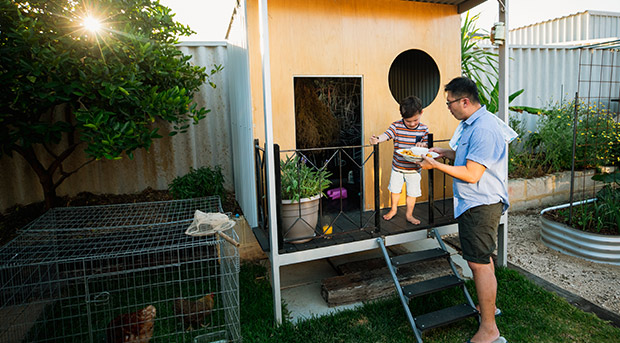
<point x="120" y="273"/>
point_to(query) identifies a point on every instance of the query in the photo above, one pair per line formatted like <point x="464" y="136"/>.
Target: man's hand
<point x="428" y="162"/>
<point x="444" y="152"/>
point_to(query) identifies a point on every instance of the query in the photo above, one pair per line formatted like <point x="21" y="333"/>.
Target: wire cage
<point x="100" y="273"/>
<point x="596" y="124"/>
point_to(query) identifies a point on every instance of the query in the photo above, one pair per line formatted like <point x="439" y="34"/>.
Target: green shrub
<point x="197" y="183"/>
<point x="602" y="215"/>
<point x="550" y="148"/>
<point x="300" y="181"/>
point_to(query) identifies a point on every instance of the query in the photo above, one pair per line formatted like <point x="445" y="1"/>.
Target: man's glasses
<point x="448" y="103"/>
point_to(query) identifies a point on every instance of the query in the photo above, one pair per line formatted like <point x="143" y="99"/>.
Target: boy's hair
<point x="410" y="106"/>
<point x="462" y="87"/>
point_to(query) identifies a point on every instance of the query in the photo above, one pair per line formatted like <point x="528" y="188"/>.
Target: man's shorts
<point x="478" y="231"/>
<point x="411" y="178"/>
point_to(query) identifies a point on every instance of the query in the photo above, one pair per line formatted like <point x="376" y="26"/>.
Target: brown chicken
<point x="136" y="327"/>
<point x="193" y="313"/>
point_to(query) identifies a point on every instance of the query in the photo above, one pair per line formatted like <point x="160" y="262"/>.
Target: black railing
<point x="347" y="214"/>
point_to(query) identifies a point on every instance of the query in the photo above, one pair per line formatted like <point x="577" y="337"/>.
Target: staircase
<point x="433" y="319"/>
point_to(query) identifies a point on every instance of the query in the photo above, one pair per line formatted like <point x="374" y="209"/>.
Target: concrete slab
<point x="301" y="274"/>
<point x="305" y="302"/>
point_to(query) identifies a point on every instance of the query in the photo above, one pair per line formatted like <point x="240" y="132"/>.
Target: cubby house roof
<point x="463" y="5"/>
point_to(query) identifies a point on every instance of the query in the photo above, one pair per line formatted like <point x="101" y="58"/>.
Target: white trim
<point x="263" y="16"/>
<point x="334" y="76"/>
<point x="502" y="113"/>
<point x="202" y="43"/>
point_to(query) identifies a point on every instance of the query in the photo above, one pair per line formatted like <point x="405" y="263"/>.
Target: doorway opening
<point x="328" y="114"/>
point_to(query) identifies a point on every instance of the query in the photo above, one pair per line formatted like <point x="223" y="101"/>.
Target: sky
<point x="210" y="18"/>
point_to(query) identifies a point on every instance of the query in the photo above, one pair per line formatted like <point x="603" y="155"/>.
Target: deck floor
<point x="346" y="224"/>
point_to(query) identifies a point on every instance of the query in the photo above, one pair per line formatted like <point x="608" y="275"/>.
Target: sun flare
<point x="92" y="24"/>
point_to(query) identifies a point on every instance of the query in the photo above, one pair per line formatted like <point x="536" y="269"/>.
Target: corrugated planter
<point x="299" y="218"/>
<point x="590" y="246"/>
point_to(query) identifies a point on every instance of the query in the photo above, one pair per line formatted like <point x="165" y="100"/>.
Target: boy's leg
<point x="412" y="181"/>
<point x="394" y="197"/>
<point x="409" y="212"/>
<point x="395" y="187"/>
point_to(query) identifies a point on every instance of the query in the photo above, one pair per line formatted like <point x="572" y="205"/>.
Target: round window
<point x="414" y="72"/>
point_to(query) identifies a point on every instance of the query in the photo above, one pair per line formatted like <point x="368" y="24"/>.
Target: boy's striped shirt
<point x="405" y="137"/>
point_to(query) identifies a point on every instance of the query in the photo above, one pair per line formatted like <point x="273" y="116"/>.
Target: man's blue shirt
<point x="482" y="141"/>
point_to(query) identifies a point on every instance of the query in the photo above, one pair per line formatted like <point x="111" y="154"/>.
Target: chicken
<point x="136" y="327"/>
<point x="193" y="313"/>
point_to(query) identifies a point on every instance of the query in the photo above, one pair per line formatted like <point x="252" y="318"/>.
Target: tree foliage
<point x="481" y="66"/>
<point x="105" y="91"/>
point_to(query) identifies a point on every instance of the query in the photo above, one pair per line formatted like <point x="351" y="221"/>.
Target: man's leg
<point x="486" y="289"/>
<point x="477" y="233"/>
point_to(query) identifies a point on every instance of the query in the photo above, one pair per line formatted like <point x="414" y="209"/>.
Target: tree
<point x="92" y="76"/>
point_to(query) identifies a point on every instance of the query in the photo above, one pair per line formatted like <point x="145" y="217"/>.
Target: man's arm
<point x="470" y="172"/>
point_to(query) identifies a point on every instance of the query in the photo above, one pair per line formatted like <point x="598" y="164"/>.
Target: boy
<point x="406" y="133"/>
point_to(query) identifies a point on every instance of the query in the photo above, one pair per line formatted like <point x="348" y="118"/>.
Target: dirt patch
<point x="596" y="282"/>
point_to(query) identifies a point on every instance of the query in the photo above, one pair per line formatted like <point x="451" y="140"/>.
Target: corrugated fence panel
<point x="547" y="74"/>
<point x="241" y="117"/>
<point x="582" y="26"/>
<point x="207" y="144"/>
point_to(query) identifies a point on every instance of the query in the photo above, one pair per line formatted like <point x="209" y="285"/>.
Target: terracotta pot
<point x="299" y="219"/>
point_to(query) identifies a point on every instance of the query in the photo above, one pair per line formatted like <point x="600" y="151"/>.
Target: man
<point x="480" y="155"/>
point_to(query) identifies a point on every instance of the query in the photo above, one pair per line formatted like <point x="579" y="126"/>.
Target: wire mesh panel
<point x="120" y="273"/>
<point x="596" y="138"/>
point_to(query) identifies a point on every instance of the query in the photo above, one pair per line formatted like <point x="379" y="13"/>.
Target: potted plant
<point x="302" y="188"/>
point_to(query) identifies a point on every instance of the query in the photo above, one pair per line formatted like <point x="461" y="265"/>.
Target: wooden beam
<point x="370" y="279"/>
<point x="469" y="4"/>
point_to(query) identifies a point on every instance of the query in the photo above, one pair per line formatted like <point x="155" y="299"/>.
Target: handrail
<point x="337" y="156"/>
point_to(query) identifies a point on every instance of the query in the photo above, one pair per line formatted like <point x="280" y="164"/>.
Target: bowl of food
<point x="414" y="154"/>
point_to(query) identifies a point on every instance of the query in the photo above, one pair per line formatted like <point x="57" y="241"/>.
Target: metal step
<point x="444" y="316"/>
<point x="431" y="286"/>
<point x="418" y="256"/>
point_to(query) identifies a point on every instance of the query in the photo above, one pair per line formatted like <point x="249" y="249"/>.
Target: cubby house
<point x="316" y="79"/>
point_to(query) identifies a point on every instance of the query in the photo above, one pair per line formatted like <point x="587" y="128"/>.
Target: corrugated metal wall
<point x="207" y="144"/>
<point x="547" y="74"/>
<point x="582" y="26"/>
<point x="544" y="61"/>
<point x="241" y="116"/>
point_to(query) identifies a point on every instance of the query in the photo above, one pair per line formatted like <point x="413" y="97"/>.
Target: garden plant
<point x="300" y="180"/>
<point x="200" y="182"/>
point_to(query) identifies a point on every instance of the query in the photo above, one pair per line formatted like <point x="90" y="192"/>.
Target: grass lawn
<point x="530" y="314"/>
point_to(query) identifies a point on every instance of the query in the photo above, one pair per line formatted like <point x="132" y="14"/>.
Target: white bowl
<point x="419" y="151"/>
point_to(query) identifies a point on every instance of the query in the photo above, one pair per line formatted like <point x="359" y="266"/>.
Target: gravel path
<point x="596" y="282"/>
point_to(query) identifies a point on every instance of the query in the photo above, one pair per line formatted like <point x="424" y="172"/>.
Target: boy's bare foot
<point x="413" y="220"/>
<point x="390" y="214"/>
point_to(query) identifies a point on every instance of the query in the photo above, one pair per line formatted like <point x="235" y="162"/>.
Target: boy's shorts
<point x="478" y="231"/>
<point x="411" y="178"/>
